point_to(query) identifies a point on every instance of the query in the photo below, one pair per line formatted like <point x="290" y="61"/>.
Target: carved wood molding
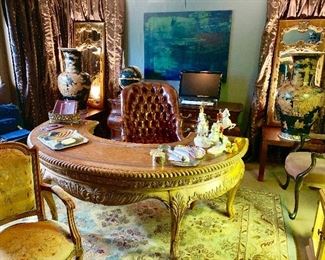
<point x="68" y="167"/>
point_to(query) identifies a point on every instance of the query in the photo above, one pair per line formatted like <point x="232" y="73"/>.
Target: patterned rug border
<point x="279" y="236"/>
<point x="93" y="241"/>
<point x="282" y="236"/>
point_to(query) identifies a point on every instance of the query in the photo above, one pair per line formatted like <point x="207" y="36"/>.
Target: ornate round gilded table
<point x="117" y="173"/>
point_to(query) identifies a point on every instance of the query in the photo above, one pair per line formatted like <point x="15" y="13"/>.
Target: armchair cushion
<point x="10" y="111"/>
<point x="7" y="125"/>
<point x="22" y="241"/>
<point x="10" y="123"/>
<point x="15" y="135"/>
<point x="14" y="184"/>
<point x="17" y="189"/>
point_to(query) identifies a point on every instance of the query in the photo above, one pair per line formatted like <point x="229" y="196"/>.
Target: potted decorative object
<point x="73" y="83"/>
<point x="298" y="108"/>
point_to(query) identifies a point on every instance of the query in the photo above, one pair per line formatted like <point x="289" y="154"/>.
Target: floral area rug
<point x="142" y="230"/>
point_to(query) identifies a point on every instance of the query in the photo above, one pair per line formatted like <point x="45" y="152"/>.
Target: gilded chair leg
<point x="298" y="185"/>
<point x="286" y="184"/>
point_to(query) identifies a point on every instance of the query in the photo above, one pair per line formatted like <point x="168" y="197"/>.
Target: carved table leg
<point x="230" y="201"/>
<point x="178" y="207"/>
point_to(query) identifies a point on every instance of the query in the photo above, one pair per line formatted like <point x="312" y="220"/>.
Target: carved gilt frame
<point x="299" y="48"/>
<point x="89" y="38"/>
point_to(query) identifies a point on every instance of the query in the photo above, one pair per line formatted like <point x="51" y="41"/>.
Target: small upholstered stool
<point x="307" y="168"/>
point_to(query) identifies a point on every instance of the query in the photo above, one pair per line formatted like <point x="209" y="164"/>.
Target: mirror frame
<point x="87" y="43"/>
<point x="298" y="48"/>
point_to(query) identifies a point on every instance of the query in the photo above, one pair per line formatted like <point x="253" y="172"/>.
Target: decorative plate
<point x="192" y="163"/>
<point x="62" y="139"/>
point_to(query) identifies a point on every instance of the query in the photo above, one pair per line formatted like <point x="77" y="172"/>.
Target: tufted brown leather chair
<point x="150" y="113"/>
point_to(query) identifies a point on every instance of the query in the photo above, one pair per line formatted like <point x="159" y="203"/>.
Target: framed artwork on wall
<point x="176" y="41"/>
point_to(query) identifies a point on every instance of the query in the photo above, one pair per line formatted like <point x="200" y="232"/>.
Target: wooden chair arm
<point x="70" y="206"/>
<point x="60" y="193"/>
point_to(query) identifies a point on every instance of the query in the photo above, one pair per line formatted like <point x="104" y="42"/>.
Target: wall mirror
<point x="299" y="57"/>
<point x="89" y="37"/>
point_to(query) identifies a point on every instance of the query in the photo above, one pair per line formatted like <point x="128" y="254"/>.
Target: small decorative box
<point x="61" y="118"/>
<point x="65" y="111"/>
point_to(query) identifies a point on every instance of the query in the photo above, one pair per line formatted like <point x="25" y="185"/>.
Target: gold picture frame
<point x="89" y="38"/>
<point x="300" y="47"/>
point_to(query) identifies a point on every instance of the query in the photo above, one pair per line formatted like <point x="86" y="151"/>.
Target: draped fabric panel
<point x="28" y="51"/>
<point x="38" y="28"/>
<point x="276" y="10"/>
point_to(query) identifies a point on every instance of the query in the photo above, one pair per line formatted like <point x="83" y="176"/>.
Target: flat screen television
<point x="200" y="85"/>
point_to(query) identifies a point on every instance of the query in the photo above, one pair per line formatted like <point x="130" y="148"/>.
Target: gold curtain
<point x="276" y="9"/>
<point x="37" y="28"/>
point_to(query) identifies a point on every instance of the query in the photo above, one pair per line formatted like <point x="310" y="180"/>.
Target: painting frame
<point x="194" y="40"/>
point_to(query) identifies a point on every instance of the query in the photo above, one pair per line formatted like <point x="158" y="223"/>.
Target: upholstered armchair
<point x="304" y="168"/>
<point x="20" y="197"/>
<point x="150" y="113"/>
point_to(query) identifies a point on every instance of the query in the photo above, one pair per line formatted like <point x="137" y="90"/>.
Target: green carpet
<point x="142" y="230"/>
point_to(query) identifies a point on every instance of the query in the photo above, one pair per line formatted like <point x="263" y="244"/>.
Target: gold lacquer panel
<point x="299" y="58"/>
<point x="89" y="38"/>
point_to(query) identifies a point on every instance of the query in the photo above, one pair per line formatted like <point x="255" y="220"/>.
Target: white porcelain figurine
<point x="202" y="130"/>
<point x="225" y="119"/>
<point x="216" y="136"/>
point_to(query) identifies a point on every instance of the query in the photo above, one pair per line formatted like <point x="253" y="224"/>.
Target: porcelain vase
<point x="298" y="108"/>
<point x="72" y="82"/>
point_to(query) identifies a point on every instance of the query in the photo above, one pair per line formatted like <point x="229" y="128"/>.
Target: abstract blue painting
<point x="176" y="41"/>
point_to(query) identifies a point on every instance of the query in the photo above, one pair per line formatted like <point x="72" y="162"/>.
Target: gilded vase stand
<point x="115" y="173"/>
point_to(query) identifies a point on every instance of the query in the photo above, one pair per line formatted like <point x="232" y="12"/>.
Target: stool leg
<point x="286" y="184"/>
<point x="298" y="185"/>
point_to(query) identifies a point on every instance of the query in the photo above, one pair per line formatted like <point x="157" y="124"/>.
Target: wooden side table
<point x="270" y="136"/>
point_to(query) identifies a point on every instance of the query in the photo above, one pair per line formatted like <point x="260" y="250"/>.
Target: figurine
<point x="215" y="132"/>
<point x="203" y="124"/>
<point x="225" y="119"/>
<point x="216" y="136"/>
<point x="158" y="157"/>
<point x="202" y="130"/>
